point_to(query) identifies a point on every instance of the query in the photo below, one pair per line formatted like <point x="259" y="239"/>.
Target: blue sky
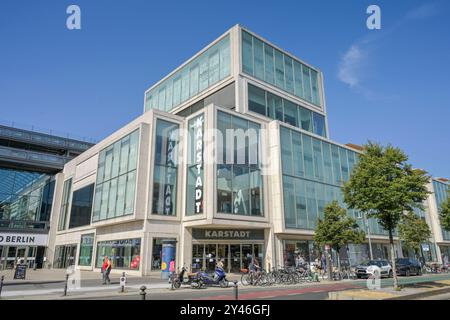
<point x="390" y="85"/>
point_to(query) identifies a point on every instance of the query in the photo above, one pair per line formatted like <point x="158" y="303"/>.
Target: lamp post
<point x="366" y="222"/>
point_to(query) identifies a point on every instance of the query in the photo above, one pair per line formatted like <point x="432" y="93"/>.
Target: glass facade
<point x="313" y="173"/>
<point x="275" y="107"/>
<point x="204" y="71"/>
<point x="441" y="194"/>
<point x="67" y="190"/>
<point x="166" y="168"/>
<point x="25" y="199"/>
<point x="86" y="249"/>
<point x="116" y="179"/>
<point x="80" y="213"/>
<point x="124" y="254"/>
<point x="266" y="63"/>
<point x="195" y="175"/>
<point x="239" y="182"/>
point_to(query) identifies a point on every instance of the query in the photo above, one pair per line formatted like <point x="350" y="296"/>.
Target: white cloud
<point x="422" y="12"/>
<point x="350" y="66"/>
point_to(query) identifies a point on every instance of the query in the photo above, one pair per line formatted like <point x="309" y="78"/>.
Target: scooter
<point x="192" y="280"/>
<point x="218" y="278"/>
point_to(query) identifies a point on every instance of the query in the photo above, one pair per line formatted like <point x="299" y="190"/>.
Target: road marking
<point x="267" y="297"/>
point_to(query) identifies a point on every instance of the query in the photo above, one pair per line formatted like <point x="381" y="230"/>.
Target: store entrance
<point x="10" y="256"/>
<point x="235" y="255"/>
<point x="65" y="256"/>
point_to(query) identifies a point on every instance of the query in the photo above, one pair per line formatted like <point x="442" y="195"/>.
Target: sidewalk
<point x="411" y="292"/>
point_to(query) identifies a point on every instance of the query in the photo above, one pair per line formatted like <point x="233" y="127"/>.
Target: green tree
<point x="337" y="230"/>
<point x="385" y="186"/>
<point x="445" y="213"/>
<point x="413" y="231"/>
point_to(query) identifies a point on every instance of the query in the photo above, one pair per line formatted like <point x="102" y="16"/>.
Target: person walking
<point x="106" y="269"/>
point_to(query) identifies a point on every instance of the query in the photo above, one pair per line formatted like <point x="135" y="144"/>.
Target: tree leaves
<point x="337" y="229"/>
<point x="445" y="213"/>
<point x="413" y="231"/>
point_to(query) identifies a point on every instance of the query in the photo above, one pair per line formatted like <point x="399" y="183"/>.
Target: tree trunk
<point x="394" y="268"/>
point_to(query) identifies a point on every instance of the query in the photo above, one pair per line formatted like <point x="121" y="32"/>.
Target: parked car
<point x="367" y="268"/>
<point x="407" y="267"/>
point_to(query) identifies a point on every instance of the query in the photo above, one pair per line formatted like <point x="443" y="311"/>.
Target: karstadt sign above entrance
<point x="231" y="234"/>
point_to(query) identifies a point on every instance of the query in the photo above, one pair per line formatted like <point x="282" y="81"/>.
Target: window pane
<point x="256" y="100"/>
<point x="168" y="104"/>
<point x="305" y="119"/>
<point x="116" y="160"/>
<point x="241" y="186"/>
<point x="224" y="179"/>
<point x="125" y="149"/>
<point x="112" y="199"/>
<point x="203" y="81"/>
<point x="214" y="67"/>
<point x="318" y="166"/>
<point x="132" y="159"/>
<point x="311" y="204"/>
<point x="121" y="195"/>
<point x="130" y="192"/>
<point x="247" y="53"/>
<point x="289" y="202"/>
<point x="336" y="164"/>
<point x="279" y="69"/>
<point x="185" y="85"/>
<point x="101" y="166"/>
<point x="269" y="64"/>
<point x="256" y="192"/>
<point x="308" y="156"/>
<point x="274" y="107"/>
<point x="258" y="58"/>
<point x="225" y="58"/>
<point x="344" y="165"/>
<point x="194" y="80"/>
<point x="315" y="87"/>
<point x="104" y="202"/>
<point x="300" y="204"/>
<point x="306" y="83"/>
<point x="290" y="113"/>
<point x="298" y="86"/>
<point x="286" y="150"/>
<point x="162" y="99"/>
<point x="108" y="163"/>
<point x="319" y="124"/>
<point x="297" y="154"/>
<point x="327" y="165"/>
<point x="176" y="91"/>
<point x="97" y="203"/>
<point x="289" y="74"/>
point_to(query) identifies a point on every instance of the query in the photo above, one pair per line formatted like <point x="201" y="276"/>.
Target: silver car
<point x="367" y="268"/>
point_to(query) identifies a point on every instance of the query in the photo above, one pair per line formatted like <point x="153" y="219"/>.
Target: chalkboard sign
<point x="21" y="271"/>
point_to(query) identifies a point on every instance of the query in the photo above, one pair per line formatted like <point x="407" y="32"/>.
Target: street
<point x="157" y="289"/>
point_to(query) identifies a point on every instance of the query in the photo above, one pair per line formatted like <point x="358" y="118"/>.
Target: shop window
<point x="124" y="254"/>
<point x="86" y="249"/>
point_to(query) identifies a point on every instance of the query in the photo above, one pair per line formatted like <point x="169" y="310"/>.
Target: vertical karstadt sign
<point x="198" y="145"/>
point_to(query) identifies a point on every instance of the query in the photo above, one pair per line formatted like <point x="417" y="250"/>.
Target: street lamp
<point x="366" y="222"/>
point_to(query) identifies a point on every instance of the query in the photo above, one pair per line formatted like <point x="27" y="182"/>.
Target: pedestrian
<point x="106" y="269"/>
